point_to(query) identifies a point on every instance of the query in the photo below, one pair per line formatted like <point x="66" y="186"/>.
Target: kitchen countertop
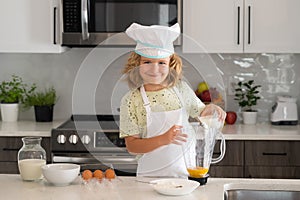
<point x="28" y="128"/>
<point x="262" y="131"/>
<point x="12" y="187"/>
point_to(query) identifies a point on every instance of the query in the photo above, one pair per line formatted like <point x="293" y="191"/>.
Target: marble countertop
<point x="12" y="187"/>
<point x="261" y="132"/>
<point x="231" y="132"/>
<point x="28" y="128"/>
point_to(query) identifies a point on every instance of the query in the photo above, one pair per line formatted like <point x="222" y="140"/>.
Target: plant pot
<point x="43" y="113"/>
<point x="249" y="117"/>
<point x="9" y="112"/>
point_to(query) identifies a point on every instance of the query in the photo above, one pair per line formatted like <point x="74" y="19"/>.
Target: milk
<point x="31" y="169"/>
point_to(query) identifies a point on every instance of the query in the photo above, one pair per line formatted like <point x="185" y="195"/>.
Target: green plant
<point x="246" y="93"/>
<point x="15" y="90"/>
<point x="47" y="97"/>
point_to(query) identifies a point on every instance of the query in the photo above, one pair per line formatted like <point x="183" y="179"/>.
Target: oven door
<point x="123" y="163"/>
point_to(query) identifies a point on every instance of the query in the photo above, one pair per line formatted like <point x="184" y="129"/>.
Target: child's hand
<point x="213" y="110"/>
<point x="174" y="135"/>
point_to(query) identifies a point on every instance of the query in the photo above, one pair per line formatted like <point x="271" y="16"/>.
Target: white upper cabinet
<point x="237" y="26"/>
<point x="27" y="26"/>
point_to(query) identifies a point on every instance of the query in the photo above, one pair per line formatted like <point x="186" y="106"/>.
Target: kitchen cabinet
<point x="272" y="159"/>
<point x="9" y="153"/>
<point x="241" y="26"/>
<point x="232" y="165"/>
<point x="29" y="26"/>
<point x="258" y="159"/>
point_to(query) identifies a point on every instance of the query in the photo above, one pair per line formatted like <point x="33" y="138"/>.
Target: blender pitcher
<point x="198" y="151"/>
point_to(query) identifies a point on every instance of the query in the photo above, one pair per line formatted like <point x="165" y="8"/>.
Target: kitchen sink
<point x="246" y="194"/>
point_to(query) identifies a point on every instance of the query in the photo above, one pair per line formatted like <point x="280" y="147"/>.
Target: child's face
<point x="154" y="71"/>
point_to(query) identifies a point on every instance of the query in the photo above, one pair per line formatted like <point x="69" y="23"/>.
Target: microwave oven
<point x="90" y="22"/>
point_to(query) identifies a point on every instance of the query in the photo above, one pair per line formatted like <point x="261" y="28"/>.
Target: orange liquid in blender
<point x="197" y="172"/>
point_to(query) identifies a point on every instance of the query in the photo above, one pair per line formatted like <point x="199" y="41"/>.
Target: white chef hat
<point x="154" y="41"/>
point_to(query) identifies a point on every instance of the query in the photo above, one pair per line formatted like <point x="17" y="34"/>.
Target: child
<point x="154" y="114"/>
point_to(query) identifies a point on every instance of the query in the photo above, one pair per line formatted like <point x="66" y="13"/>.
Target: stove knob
<point x="61" y="139"/>
<point x="73" y="139"/>
<point x="85" y="139"/>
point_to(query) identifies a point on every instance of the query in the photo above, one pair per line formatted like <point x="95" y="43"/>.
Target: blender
<point x="284" y="111"/>
<point x="198" y="151"/>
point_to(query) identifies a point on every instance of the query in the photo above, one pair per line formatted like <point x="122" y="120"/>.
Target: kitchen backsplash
<point x="279" y="74"/>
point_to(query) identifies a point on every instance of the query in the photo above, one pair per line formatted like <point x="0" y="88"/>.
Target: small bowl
<point x="174" y="186"/>
<point x="61" y="174"/>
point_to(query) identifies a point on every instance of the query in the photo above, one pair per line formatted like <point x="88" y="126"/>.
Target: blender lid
<point x="286" y="99"/>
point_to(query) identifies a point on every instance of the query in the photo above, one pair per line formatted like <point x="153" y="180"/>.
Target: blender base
<point x="202" y="180"/>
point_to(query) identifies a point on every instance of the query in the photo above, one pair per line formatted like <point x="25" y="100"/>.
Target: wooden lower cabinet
<point x="226" y="171"/>
<point x="232" y="165"/>
<point x="272" y="159"/>
<point x="258" y="159"/>
<point x="9" y="153"/>
<point x="272" y="172"/>
<point x="249" y="159"/>
<point x="9" y="168"/>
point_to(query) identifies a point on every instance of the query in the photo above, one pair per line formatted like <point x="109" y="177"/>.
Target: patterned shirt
<point x="133" y="114"/>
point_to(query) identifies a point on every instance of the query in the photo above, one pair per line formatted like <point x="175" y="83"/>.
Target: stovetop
<point x="91" y="122"/>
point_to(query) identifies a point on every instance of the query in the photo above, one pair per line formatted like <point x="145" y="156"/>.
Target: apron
<point x="168" y="160"/>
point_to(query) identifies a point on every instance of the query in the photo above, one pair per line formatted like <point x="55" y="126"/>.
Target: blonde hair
<point x="134" y="78"/>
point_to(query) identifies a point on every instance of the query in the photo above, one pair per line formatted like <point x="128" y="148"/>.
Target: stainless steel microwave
<point x="90" y="22"/>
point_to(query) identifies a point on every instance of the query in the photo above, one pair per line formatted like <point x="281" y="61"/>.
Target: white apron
<point x="168" y="160"/>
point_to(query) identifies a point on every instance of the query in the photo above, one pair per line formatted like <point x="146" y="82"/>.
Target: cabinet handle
<point x="84" y="20"/>
<point x="10" y="149"/>
<point x="274" y="154"/>
<point x="249" y="23"/>
<point x="54" y="24"/>
<point x="238" y="25"/>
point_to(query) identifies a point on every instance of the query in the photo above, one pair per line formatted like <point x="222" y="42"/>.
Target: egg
<point x="110" y="174"/>
<point x="87" y="174"/>
<point x="98" y="174"/>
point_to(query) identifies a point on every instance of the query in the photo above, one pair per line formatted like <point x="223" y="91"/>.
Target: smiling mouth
<point x="153" y="75"/>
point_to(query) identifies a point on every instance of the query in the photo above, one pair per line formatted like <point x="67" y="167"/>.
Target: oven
<point x="92" y="142"/>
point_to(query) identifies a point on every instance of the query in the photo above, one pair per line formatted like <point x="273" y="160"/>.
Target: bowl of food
<point x="174" y="186"/>
<point x="61" y="174"/>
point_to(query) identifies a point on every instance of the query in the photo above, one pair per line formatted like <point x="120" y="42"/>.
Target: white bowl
<point x="61" y="174"/>
<point x="174" y="186"/>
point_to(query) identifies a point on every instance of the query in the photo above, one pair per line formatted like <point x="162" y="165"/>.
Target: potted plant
<point x="247" y="94"/>
<point x="12" y="93"/>
<point x="43" y="102"/>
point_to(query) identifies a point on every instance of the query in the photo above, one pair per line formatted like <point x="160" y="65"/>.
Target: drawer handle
<point x="274" y="154"/>
<point x="10" y="149"/>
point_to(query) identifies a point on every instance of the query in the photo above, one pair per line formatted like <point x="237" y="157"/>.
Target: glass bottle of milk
<point x="31" y="158"/>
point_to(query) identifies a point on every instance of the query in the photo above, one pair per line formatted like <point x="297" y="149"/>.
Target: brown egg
<point x="87" y="174"/>
<point x="110" y="174"/>
<point x="98" y="174"/>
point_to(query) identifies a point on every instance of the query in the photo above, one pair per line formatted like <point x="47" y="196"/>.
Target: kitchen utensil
<point x="174" y="186"/>
<point x="61" y="174"/>
<point x="284" y="111"/>
<point x="198" y="151"/>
